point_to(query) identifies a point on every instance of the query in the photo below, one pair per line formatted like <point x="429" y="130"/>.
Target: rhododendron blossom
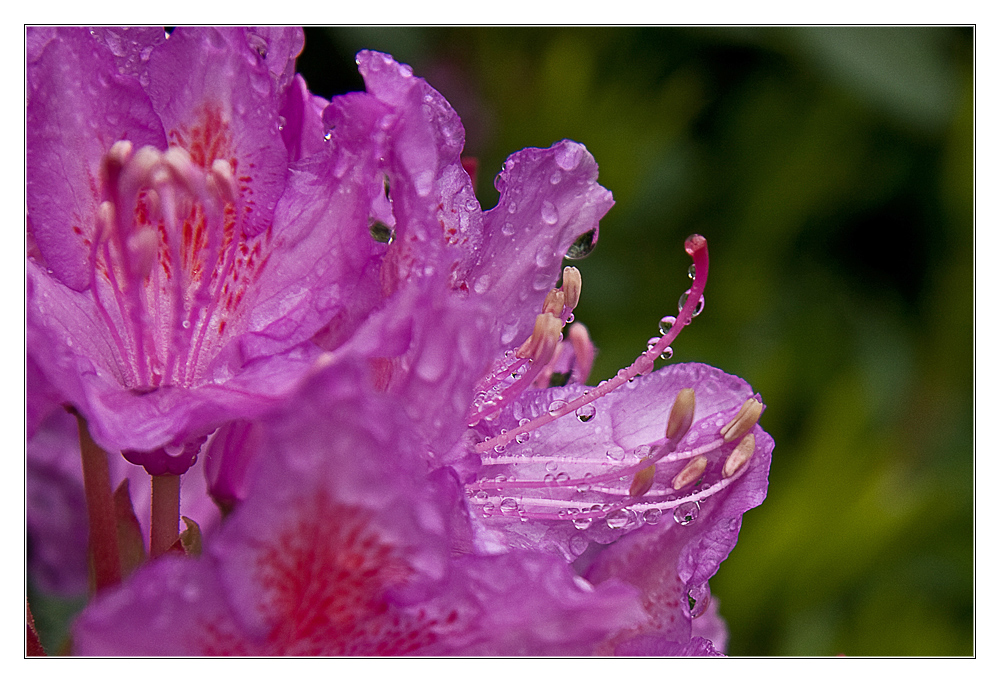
<point x="385" y="384"/>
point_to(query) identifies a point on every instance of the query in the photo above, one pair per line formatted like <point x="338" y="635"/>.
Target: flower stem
<point x="165" y="523"/>
<point x="100" y="511"/>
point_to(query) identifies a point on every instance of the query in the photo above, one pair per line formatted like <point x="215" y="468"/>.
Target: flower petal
<point x="78" y="107"/>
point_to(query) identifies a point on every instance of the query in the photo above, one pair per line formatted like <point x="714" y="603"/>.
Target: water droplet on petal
<point x="583" y="245"/>
<point x="186" y="324"/>
<point x="586" y="412"/>
<point x="507" y="229"/>
<point x="508" y="506"/>
<point x="551" y="466"/>
<point x="328" y="135"/>
<point x="578" y="544"/>
<point x="562" y="478"/>
<point x="616" y="453"/>
<point x="487" y="509"/>
<point x="582" y="523"/>
<point x="381" y="232"/>
<point x="549" y="212"/>
<point x="569" y="156"/>
<point x="652" y="516"/>
<point x="512" y="207"/>
<point x="555" y="177"/>
<point x="686" y="513"/>
<point x="281" y="123"/>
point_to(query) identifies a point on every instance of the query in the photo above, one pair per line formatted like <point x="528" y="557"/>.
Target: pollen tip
<point x="642" y="481"/>
<point x="543" y="340"/>
<point x="739" y="457"/>
<point x="681" y="414"/>
<point x="744" y="421"/>
<point x="572" y="286"/>
<point x="690" y="474"/>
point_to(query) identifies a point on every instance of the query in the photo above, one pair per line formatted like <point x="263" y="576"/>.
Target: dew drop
<point x="653" y="341"/>
<point x="544" y="256"/>
<point x="328" y="135"/>
<point x="698" y="600"/>
<point x="381" y="232"/>
<point x="667" y="354"/>
<point x="508" y="506"/>
<point x="522" y="438"/>
<point x="507" y="229"/>
<point x="556" y="406"/>
<point x="562" y="478"/>
<point x="686" y="513"/>
<point x="691" y="271"/>
<point x="697" y="309"/>
<point x="549" y="478"/>
<point x="616" y="453"/>
<point x="512" y="207"/>
<point x="666" y="323"/>
<point x="281" y="123"/>
<point x="549" y="212"/>
<point x="582" y="523"/>
<point x="652" y="516"/>
<point x="585" y="413"/>
<point x="551" y="466"/>
<point x="583" y="245"/>
<point x="617" y="519"/>
<point x="555" y="177"/>
<point x="487" y="509"/>
<point x="568" y="158"/>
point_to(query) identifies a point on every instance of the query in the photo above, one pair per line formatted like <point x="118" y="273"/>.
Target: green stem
<point x="165" y="523"/>
<point x="100" y="510"/>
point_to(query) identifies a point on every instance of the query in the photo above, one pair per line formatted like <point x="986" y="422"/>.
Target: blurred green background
<point x="832" y="171"/>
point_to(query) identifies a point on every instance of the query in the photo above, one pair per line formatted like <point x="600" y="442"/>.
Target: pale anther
<point x="221" y="180"/>
<point x="183" y="168"/>
<point x="681" y="414"/>
<point x="105" y="219"/>
<point x="571" y="286"/>
<point x="744" y="421"/>
<point x="690" y="474"/>
<point x="554" y="302"/>
<point x="540" y="346"/>
<point x="739" y="457"/>
<point x="642" y="481"/>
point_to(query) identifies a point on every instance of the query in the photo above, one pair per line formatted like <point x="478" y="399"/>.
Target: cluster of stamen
<point x="676" y="472"/>
<point x="161" y="247"/>
<point x="534" y="359"/>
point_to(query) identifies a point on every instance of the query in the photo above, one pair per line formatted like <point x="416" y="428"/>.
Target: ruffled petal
<point x="549" y="198"/>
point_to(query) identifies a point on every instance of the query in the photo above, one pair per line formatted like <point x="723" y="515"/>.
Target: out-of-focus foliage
<point x="831" y="170"/>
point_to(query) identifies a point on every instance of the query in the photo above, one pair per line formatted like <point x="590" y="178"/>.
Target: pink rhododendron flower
<point x="367" y="356"/>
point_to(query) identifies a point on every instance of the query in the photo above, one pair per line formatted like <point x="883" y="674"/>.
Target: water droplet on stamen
<point x="691" y="271"/>
<point x="487" y="509"/>
<point x="551" y="466"/>
<point x="652" y="516"/>
<point x="686" y="513"/>
<point x="653" y="341"/>
<point x="508" y="506"/>
<point x="582" y="523"/>
<point x="586" y="412"/>
<point x="667" y="354"/>
<point x="562" y="478"/>
<point x="666" y="323"/>
<point x="697" y="309"/>
<point x="617" y="519"/>
<point x="556" y="406"/>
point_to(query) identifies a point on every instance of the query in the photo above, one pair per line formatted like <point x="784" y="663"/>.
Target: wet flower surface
<point x="312" y="291"/>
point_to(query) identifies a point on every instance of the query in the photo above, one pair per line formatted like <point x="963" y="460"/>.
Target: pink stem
<point x="166" y="513"/>
<point x="100" y="510"/>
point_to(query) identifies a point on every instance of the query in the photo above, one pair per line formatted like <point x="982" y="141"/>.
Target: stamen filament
<point x="697" y="247"/>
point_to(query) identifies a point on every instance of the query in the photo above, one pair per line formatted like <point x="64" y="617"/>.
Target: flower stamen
<point x="696" y="247"/>
<point x="744" y="421"/>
